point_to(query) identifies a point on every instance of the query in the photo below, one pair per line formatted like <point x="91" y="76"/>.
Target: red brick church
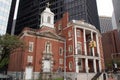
<point x="70" y="49"/>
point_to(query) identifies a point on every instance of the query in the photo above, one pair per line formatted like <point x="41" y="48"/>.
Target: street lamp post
<point x="65" y="60"/>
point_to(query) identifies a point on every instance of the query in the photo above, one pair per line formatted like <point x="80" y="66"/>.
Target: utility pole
<point x="65" y="60"/>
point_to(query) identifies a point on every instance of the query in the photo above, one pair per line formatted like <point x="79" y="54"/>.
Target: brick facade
<point x="76" y="54"/>
<point x="111" y="46"/>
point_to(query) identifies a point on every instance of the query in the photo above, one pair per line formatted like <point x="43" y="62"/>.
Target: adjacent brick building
<point x="111" y="47"/>
<point x="73" y="48"/>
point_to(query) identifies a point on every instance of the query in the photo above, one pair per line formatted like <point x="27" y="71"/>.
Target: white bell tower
<point x="47" y="17"/>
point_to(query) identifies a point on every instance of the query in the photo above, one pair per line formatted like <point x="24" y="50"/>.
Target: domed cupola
<point x="47" y="17"/>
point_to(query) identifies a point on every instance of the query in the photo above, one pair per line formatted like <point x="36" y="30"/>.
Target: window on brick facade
<point x="31" y="45"/>
<point x="59" y="27"/>
<point x="80" y="64"/>
<point x="70" y="49"/>
<point x="78" y="33"/>
<point x="70" y="65"/>
<point x="60" y="61"/>
<point x="79" y="48"/>
<point x="30" y="59"/>
<point x="69" y="34"/>
<point x="61" y="51"/>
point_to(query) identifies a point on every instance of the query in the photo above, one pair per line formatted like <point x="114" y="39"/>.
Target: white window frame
<point x="78" y="33"/>
<point x="30" y="59"/>
<point x="70" y="65"/>
<point x="31" y="46"/>
<point x="60" y="61"/>
<point x="59" y="27"/>
<point x="79" y="48"/>
<point x="69" y="33"/>
<point x="70" y="48"/>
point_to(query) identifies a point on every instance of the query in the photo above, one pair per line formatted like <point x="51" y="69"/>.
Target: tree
<point x="8" y="44"/>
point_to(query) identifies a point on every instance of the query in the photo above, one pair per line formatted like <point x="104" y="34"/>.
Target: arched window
<point x="48" y="47"/>
<point x="70" y="49"/>
<point x="48" y="19"/>
<point x="61" y="51"/>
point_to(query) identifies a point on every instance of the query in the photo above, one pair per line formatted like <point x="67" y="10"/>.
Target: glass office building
<point x="116" y="7"/>
<point x="29" y="12"/>
<point x="4" y="15"/>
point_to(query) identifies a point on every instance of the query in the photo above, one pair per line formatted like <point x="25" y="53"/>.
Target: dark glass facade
<point x="29" y="12"/>
<point x="83" y="10"/>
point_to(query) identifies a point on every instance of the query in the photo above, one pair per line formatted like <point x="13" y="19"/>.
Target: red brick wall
<point x="39" y="47"/>
<point x="111" y="44"/>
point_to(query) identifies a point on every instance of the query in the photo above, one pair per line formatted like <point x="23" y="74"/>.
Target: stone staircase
<point x="50" y="76"/>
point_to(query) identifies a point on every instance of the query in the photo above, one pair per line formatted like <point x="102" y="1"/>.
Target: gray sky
<point x="105" y="7"/>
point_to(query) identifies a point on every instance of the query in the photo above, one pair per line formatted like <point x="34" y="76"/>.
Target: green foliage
<point x="59" y="79"/>
<point x="109" y="65"/>
<point x="117" y="61"/>
<point x="8" y="43"/>
<point x="4" y="62"/>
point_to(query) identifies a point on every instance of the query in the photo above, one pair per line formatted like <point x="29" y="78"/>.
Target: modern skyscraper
<point x="114" y="21"/>
<point x="4" y="14"/>
<point x="29" y="12"/>
<point x="11" y="16"/>
<point x="116" y="6"/>
<point x="105" y="24"/>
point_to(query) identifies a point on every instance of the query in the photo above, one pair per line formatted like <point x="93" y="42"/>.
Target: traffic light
<point x="92" y="44"/>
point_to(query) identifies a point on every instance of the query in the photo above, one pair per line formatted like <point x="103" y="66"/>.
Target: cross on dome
<point x="47" y="17"/>
<point x="48" y="4"/>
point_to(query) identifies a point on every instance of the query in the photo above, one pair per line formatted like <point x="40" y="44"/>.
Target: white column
<point x="95" y="69"/>
<point x="86" y="65"/>
<point x="97" y="45"/>
<point x="77" y="67"/>
<point x="93" y="47"/>
<point x="75" y="36"/>
<point x="91" y="35"/>
<point x="84" y="36"/>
